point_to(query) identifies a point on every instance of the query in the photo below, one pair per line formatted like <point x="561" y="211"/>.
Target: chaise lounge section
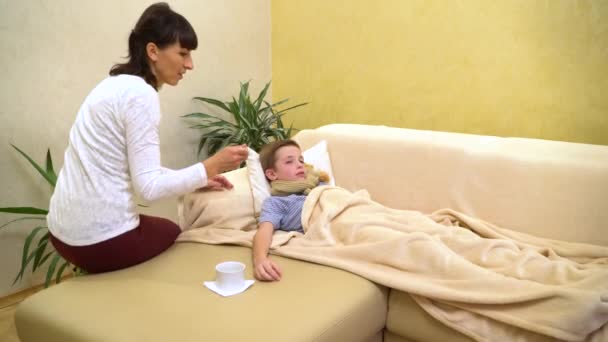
<point x="550" y="189"/>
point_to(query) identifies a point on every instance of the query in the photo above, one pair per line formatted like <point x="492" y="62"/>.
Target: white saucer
<point x="211" y="285"/>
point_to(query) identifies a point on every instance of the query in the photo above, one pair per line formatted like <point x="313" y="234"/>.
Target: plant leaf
<point x="246" y="122"/>
<point x="251" y="114"/>
<point x="239" y="136"/>
<point x="214" y="102"/>
<point x="255" y="122"/>
<point x="216" y="131"/>
<point x="49" y="167"/>
<point x="40" y="250"/>
<point x="24" y="210"/>
<point x="296" y="106"/>
<point x="208" y="118"/>
<point x="201" y="144"/>
<point x="220" y="132"/>
<point x="51" y="270"/>
<point x="26" y="246"/>
<point x="224" y="143"/>
<point x="243" y="97"/>
<point x="288" y="134"/>
<point x="206" y="127"/>
<point x="45" y="257"/>
<point x="22" y="219"/>
<point x="279" y="121"/>
<point x="199" y="115"/>
<point x="44" y="174"/>
<point x="235" y="110"/>
<point x="268" y="105"/>
<point x="214" y="145"/>
<point x="258" y="101"/>
<point x="60" y="271"/>
<point x="22" y="271"/>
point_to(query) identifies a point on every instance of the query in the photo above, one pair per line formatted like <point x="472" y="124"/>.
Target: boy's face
<point x="289" y="165"/>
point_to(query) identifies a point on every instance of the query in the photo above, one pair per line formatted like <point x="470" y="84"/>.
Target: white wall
<point x="54" y="52"/>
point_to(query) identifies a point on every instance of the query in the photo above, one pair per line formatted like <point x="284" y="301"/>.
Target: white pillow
<point x="316" y="155"/>
<point x="260" y="189"/>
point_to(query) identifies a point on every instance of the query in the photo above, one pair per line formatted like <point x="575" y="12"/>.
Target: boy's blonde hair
<point x="267" y="154"/>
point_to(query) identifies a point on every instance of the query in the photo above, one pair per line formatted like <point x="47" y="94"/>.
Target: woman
<point x="113" y="153"/>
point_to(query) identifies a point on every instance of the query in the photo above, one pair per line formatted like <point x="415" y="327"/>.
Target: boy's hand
<point x="266" y="270"/>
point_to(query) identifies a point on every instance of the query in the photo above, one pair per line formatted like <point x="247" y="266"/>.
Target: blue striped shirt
<point x="284" y="212"/>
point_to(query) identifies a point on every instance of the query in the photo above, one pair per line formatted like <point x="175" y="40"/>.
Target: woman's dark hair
<point x="160" y="25"/>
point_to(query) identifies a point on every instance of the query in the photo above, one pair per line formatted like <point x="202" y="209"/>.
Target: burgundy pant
<point x="153" y="236"/>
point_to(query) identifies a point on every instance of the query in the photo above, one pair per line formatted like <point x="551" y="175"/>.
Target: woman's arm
<point x="263" y="267"/>
<point x="141" y="118"/>
<point x="151" y="181"/>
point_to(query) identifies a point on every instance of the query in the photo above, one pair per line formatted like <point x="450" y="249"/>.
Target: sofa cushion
<point x="407" y="319"/>
<point x="390" y="337"/>
<point x="164" y="299"/>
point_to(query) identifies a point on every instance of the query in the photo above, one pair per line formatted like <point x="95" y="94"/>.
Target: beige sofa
<point x="551" y="189"/>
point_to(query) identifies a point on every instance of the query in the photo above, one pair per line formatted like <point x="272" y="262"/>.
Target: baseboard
<point x="18" y="297"/>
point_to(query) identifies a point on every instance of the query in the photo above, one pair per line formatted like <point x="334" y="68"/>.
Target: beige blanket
<point x="489" y="283"/>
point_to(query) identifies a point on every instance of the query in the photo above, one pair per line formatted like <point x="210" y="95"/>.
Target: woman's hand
<point x="266" y="270"/>
<point x="228" y="158"/>
<point x="217" y="182"/>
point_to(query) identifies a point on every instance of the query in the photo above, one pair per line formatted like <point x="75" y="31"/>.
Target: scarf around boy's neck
<point x="286" y="188"/>
<point x="303" y="186"/>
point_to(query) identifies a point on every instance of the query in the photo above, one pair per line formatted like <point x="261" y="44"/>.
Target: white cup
<point x="230" y="275"/>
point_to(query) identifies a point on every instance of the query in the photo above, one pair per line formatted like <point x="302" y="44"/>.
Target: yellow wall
<point x="529" y="68"/>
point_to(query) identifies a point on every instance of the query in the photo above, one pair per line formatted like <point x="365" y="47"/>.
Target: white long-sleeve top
<point x="114" y="152"/>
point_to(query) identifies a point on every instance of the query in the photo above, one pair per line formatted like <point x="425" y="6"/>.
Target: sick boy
<point x="290" y="180"/>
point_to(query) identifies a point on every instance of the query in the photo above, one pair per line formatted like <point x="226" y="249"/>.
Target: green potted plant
<point x="254" y="123"/>
<point x="35" y="251"/>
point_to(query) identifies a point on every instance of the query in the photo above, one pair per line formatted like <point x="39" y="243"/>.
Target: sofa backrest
<point x="551" y="189"/>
